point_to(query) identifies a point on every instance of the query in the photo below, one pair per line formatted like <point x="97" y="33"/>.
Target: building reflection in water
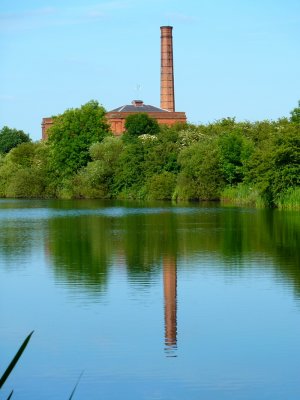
<point x="170" y="297"/>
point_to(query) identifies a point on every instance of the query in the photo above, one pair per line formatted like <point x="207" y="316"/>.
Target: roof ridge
<point x="142" y="108"/>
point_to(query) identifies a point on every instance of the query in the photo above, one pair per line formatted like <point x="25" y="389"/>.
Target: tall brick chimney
<point x="167" y="99"/>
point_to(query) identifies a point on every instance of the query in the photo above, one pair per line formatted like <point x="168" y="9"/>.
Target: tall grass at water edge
<point x="242" y="195"/>
<point x="290" y="200"/>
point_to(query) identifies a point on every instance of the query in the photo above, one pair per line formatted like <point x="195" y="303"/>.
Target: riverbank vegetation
<point x="243" y="163"/>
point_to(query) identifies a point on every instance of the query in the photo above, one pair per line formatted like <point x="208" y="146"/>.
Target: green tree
<point x="274" y="167"/>
<point x="295" y="114"/>
<point x="141" y="124"/>
<point x="71" y="136"/>
<point x="10" y="138"/>
<point x="234" y="153"/>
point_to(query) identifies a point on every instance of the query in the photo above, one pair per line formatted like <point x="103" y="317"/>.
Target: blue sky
<point x="233" y="58"/>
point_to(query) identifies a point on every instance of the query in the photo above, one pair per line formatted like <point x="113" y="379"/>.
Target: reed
<point x="13" y="363"/>
<point x="14" y="360"/>
<point x="75" y="387"/>
<point x="290" y="200"/>
<point x="242" y="195"/>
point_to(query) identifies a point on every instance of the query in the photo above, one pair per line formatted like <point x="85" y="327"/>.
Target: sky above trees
<point x="232" y="58"/>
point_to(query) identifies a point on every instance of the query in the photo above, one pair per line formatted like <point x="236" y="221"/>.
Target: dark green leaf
<point x="78" y="380"/>
<point x="14" y="360"/>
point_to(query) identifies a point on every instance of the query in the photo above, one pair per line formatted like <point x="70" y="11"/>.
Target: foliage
<point x="26" y="184"/>
<point x="242" y="195"/>
<point x="76" y="385"/>
<point x="130" y="172"/>
<point x="200" y="177"/>
<point x="234" y="151"/>
<point x="290" y="199"/>
<point x="10" y="138"/>
<point x="161" y="186"/>
<point x="24" y="171"/>
<point x="239" y="162"/>
<point x="23" y="155"/>
<point x="295" y="114"/>
<point x="91" y="182"/>
<point x="275" y="164"/>
<point x="14" y="362"/>
<point x="190" y="134"/>
<point x="141" y="124"/>
<point x="108" y="151"/>
<point x="141" y="159"/>
<point x="71" y="136"/>
<point x="95" y="180"/>
<point x="162" y="154"/>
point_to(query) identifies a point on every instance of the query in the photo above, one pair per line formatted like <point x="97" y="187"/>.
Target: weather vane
<point x="138" y="89"/>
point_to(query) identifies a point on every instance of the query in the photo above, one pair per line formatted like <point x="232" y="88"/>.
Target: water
<point x="150" y="301"/>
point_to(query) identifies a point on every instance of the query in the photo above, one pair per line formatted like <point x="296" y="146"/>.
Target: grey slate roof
<point x="143" y="108"/>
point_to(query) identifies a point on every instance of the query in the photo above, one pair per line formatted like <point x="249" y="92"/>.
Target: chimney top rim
<point x="166" y="26"/>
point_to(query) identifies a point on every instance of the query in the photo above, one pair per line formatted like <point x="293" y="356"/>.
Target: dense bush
<point x="200" y="177"/>
<point x="130" y="172"/>
<point x="274" y="166"/>
<point x="161" y="186"/>
<point x="24" y="172"/>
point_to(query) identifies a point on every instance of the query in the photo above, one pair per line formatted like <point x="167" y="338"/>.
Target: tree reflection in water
<point x="152" y="241"/>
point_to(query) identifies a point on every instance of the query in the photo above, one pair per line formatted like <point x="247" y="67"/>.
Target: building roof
<point x="138" y="106"/>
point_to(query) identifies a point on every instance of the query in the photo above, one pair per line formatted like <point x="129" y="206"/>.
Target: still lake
<point x="149" y="300"/>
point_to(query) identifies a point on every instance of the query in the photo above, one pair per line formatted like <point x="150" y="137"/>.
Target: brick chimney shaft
<point x="167" y="98"/>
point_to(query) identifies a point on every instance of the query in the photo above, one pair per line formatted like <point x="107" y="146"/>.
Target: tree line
<point x="248" y="163"/>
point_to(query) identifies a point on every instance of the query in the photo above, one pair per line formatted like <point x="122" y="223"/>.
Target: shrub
<point x="161" y="186"/>
<point x="27" y="183"/>
<point x="200" y="177"/>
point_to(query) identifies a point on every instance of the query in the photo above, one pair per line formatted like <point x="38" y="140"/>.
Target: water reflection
<point x="170" y="297"/>
<point x="84" y="248"/>
<point x="80" y="249"/>
<point x="84" y="240"/>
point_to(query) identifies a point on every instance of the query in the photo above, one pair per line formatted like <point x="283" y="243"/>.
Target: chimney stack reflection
<point x="170" y="296"/>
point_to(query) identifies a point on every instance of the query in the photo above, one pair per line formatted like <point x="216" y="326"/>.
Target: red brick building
<point x="117" y="117"/>
<point x="166" y="114"/>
